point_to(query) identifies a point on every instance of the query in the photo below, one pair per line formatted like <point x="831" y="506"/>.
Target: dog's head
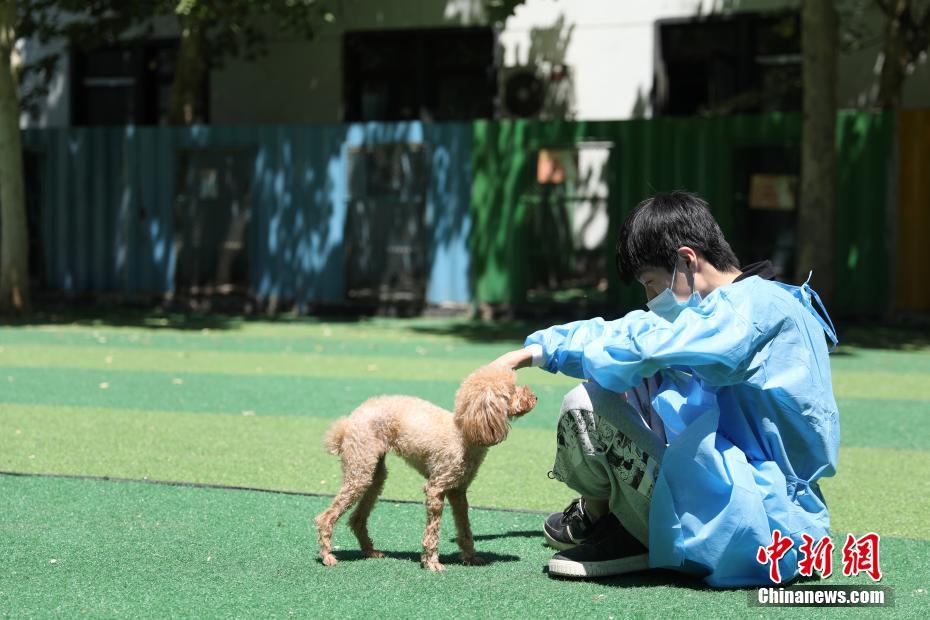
<point x="486" y="401"/>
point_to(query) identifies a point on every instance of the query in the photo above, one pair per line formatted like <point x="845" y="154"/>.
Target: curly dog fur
<point x="445" y="447"/>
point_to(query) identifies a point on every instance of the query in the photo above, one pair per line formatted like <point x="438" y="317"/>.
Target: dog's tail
<point x="334" y="436"/>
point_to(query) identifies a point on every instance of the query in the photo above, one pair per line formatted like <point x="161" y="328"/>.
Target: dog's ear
<point x="522" y="401"/>
<point x="481" y="408"/>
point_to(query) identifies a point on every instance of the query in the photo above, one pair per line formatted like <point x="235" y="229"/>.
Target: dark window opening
<point x="212" y="212"/>
<point x="385" y="230"/>
<point x="437" y="74"/>
<point x="767" y="198"/>
<point x="126" y="84"/>
<point x="567" y="224"/>
<point x="32" y="185"/>
<point x="742" y="63"/>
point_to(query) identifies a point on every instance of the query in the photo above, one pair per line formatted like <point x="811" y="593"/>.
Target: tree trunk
<point x="894" y="58"/>
<point x="14" y="237"/>
<point x="818" y="146"/>
<point x="185" y="107"/>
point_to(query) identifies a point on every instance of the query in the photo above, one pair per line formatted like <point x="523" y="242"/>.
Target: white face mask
<point x="667" y="306"/>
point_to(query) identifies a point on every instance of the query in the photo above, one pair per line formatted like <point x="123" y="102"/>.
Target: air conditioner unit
<point x="535" y="91"/>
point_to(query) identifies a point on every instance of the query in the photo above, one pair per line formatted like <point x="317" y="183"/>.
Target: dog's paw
<point x="432" y="565"/>
<point x="474" y="560"/>
<point x="329" y="560"/>
<point x="374" y="554"/>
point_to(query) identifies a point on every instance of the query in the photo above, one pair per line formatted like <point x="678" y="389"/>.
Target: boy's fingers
<point x="511" y="360"/>
<point x="521" y="358"/>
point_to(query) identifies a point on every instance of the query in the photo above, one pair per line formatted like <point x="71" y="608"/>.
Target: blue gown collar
<point x="805" y="294"/>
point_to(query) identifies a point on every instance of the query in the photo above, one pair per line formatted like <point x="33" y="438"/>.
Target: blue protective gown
<point x="747" y="402"/>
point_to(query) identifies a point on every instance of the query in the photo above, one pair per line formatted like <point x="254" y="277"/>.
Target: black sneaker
<point x="566" y="529"/>
<point x="609" y="550"/>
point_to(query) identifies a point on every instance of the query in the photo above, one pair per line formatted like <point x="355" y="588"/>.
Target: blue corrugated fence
<point x="107" y="199"/>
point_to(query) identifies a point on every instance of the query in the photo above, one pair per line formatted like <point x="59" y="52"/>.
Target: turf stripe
<point x="879" y="385"/>
<point x="209" y="392"/>
<point x="400" y="338"/>
<point x="864" y="422"/>
<point x="218" y="393"/>
<point x="885" y="361"/>
<point x="453" y="329"/>
<point x="884" y="423"/>
<point x="103" y="549"/>
<point x="264" y="452"/>
<point x="884" y="489"/>
<point x="235" y="363"/>
<point x="221" y="487"/>
<point x="121" y="341"/>
<point x="850" y="384"/>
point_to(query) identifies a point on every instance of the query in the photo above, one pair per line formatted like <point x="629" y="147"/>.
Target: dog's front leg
<point x="459" y="503"/>
<point x="434" y="500"/>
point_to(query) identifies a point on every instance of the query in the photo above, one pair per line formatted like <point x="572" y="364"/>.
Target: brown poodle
<point x="447" y="448"/>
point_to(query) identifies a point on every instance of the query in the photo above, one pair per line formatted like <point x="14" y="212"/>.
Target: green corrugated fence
<point x="700" y="155"/>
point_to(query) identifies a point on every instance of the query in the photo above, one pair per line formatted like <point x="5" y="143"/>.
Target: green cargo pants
<point x="610" y="447"/>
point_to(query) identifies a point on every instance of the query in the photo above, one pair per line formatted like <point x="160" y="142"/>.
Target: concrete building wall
<point x="301" y="81"/>
<point x="860" y="67"/>
<point x="608" y="47"/>
<point x="55" y="109"/>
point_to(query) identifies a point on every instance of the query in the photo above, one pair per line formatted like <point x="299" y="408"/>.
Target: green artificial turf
<point x="74" y="547"/>
<point x="274" y="452"/>
<point x="241" y="403"/>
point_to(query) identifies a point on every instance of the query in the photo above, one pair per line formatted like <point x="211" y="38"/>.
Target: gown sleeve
<point x="712" y="339"/>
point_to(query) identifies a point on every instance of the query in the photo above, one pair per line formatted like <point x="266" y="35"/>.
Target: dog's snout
<point x="524" y="401"/>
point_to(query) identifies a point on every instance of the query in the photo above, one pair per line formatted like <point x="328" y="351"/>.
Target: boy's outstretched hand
<point x="521" y="358"/>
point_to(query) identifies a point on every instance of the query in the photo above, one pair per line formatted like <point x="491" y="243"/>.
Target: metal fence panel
<point x="107" y="199"/>
<point x="679" y="153"/>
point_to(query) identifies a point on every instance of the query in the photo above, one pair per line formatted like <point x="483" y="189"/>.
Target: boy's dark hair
<point x="651" y="235"/>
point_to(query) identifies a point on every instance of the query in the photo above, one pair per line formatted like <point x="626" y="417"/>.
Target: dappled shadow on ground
<point x="659" y="577"/>
<point x="511" y="534"/>
<point x="883" y="336"/>
<point x="910" y="333"/>
<point x="483" y="331"/>
<point x="646" y="578"/>
<point x="146" y="319"/>
<point x="448" y="559"/>
<point x="169" y="316"/>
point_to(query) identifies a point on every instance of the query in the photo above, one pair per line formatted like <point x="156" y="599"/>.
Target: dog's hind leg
<point x="359" y="519"/>
<point x="357" y="474"/>
<point x="459" y="503"/>
<point x="434" y="500"/>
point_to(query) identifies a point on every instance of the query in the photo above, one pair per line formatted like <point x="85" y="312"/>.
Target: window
<point x="385" y="230"/>
<point x="441" y="74"/>
<point x="32" y="185"/>
<point x="567" y="222"/>
<point x="742" y="63"/>
<point x="767" y="193"/>
<point x="125" y="84"/>
<point x="212" y="211"/>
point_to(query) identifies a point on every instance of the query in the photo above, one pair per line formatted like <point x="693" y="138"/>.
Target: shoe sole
<point x="607" y="568"/>
<point x="559" y="545"/>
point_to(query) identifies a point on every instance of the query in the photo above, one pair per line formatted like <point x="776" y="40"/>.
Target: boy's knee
<point x="577" y="399"/>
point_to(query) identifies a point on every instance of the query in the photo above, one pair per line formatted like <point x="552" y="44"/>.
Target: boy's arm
<point x="557" y="340"/>
<point x="712" y="339"/>
<point x="520" y="358"/>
